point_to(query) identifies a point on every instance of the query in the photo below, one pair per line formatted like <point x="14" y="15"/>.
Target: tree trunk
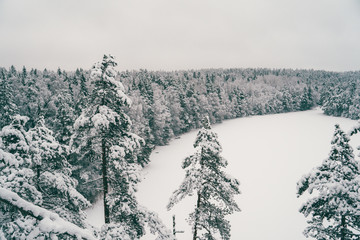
<point x="38" y="171"/>
<point x="343" y="228"/>
<point x="105" y="181"/>
<point x="197" y="215"/>
<point x="174" y="229"/>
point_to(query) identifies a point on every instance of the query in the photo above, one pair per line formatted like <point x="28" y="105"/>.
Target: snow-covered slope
<point x="268" y="154"/>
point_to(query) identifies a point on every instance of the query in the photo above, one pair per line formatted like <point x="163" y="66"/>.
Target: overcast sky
<point x="181" y="34"/>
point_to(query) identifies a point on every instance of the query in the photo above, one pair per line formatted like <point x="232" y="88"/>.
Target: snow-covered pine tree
<point x="333" y="211"/>
<point x="161" y="119"/>
<point x="8" y="108"/>
<point x="306" y="99"/>
<point x="17" y="176"/>
<point x="107" y="151"/>
<point x="48" y="187"/>
<point x="214" y="189"/>
<point x="141" y="126"/>
<point x="64" y="119"/>
<point x="53" y="175"/>
<point x="127" y="217"/>
<point x="83" y="92"/>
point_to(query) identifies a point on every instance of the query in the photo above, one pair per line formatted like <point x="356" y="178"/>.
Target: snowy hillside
<point x="268" y="154"/>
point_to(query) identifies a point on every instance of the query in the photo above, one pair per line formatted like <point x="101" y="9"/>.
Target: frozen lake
<point x="268" y="154"/>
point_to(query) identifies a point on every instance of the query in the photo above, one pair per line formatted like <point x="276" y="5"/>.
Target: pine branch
<point x="58" y="224"/>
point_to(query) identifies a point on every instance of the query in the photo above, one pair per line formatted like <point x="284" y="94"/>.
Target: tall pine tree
<point x="333" y="211"/>
<point x="214" y="189"/>
<point x="8" y="108"/>
<point x="107" y="151"/>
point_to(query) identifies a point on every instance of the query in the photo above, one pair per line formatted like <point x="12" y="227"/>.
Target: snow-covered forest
<point x="70" y="138"/>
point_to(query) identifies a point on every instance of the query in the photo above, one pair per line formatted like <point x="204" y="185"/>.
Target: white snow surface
<point x="268" y="154"/>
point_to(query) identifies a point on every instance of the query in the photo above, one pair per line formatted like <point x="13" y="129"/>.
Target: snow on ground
<point x="95" y="214"/>
<point x="268" y="154"/>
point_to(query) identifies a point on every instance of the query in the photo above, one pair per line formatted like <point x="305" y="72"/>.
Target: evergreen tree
<point x="238" y="99"/>
<point x="32" y="167"/>
<point x="53" y="175"/>
<point x="16" y="162"/>
<point x="161" y="119"/>
<point x="214" y="188"/>
<point x="23" y="76"/>
<point x="83" y="93"/>
<point x="64" y="118"/>
<point x="184" y="115"/>
<point x="17" y="176"/>
<point x="8" y="108"/>
<point x="338" y="102"/>
<point x="306" y="99"/>
<point x="333" y="210"/>
<point x="29" y="101"/>
<point x="286" y="101"/>
<point x="141" y="127"/>
<point x="12" y="72"/>
<point x="103" y="138"/>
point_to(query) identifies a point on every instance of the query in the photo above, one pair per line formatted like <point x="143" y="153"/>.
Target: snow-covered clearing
<point x="268" y="154"/>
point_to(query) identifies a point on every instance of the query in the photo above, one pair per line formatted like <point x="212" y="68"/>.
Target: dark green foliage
<point x="307" y="99"/>
<point x="8" y="107"/>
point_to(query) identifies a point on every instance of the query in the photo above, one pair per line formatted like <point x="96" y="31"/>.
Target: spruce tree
<point x="306" y="99"/>
<point x="64" y="118"/>
<point x="53" y="175"/>
<point x="16" y="161"/>
<point x="8" y="108"/>
<point x="83" y="93"/>
<point x="33" y="167"/>
<point x="24" y="75"/>
<point x="17" y="176"/>
<point x="333" y="210"/>
<point x="214" y="189"/>
<point x="107" y="151"/>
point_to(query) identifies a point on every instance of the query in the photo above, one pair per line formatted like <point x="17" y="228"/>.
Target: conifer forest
<point x="68" y="139"/>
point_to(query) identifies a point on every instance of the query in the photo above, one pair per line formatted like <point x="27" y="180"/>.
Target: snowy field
<point x="268" y="154"/>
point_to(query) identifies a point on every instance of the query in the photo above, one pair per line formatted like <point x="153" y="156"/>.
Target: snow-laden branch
<point x="49" y="221"/>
